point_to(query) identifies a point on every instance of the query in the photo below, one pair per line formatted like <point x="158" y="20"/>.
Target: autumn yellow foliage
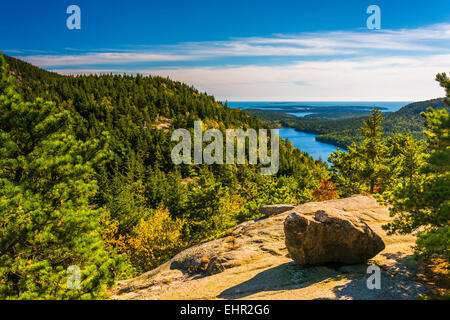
<point x="154" y="240"/>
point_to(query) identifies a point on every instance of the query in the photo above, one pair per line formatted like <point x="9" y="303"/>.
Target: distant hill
<point x="416" y="108"/>
<point x="138" y="114"/>
<point x="26" y="71"/>
<point x="342" y="132"/>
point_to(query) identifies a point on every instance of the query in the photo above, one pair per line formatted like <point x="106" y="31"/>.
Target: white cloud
<point x="315" y="44"/>
<point x="365" y="79"/>
<point x="100" y="58"/>
<point x="337" y="65"/>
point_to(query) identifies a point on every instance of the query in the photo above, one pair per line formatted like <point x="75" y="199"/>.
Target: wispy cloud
<point x="359" y="79"/>
<point x="100" y="58"/>
<point x="336" y="65"/>
<point x="317" y="44"/>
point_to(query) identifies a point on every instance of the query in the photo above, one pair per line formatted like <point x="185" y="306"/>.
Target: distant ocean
<point x="390" y="106"/>
<point x="306" y="141"/>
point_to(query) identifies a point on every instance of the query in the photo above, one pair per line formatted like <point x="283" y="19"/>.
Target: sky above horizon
<point x="244" y="50"/>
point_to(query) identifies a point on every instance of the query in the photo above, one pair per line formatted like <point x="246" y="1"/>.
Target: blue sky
<point x="244" y="50"/>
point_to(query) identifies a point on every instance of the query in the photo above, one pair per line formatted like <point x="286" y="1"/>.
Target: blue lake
<point x="307" y="142"/>
<point x="300" y="114"/>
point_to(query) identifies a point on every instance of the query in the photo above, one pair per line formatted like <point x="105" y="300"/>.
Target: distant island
<point x="340" y="125"/>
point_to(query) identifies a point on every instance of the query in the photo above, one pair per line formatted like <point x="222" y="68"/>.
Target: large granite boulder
<point x="252" y="263"/>
<point x="331" y="236"/>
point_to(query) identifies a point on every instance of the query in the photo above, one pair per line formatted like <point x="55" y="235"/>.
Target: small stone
<point x="321" y="215"/>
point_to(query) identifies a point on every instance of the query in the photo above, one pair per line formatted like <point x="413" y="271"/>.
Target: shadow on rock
<point x="286" y="276"/>
<point x="392" y="288"/>
<point x="397" y="281"/>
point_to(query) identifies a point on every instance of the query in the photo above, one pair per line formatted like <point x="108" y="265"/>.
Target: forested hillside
<point x="25" y="71"/>
<point x="91" y="156"/>
<point x="342" y="132"/>
<point x="88" y="186"/>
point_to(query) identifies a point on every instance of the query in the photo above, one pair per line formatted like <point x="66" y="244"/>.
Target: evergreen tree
<point x="46" y="221"/>
<point x="372" y="151"/>
<point x="406" y="158"/>
<point x="345" y="171"/>
<point x="137" y="176"/>
<point x="424" y="202"/>
<point x="365" y="165"/>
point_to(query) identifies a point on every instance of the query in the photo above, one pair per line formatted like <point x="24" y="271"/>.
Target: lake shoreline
<point x="307" y="143"/>
<point x="311" y="142"/>
<point x="316" y="136"/>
